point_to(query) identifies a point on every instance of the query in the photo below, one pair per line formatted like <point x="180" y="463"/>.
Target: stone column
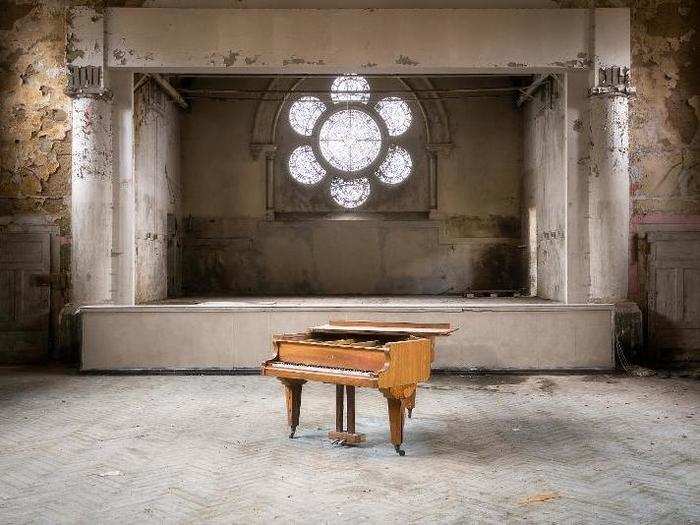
<point x="91" y="191"/>
<point x="609" y="194"/>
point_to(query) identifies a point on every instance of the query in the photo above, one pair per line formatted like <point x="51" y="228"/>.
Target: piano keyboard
<point x="321" y="369"/>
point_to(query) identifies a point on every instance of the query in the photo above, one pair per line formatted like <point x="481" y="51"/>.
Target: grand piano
<point x="391" y="357"/>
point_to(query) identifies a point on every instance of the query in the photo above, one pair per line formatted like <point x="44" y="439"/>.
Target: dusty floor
<point x="214" y="448"/>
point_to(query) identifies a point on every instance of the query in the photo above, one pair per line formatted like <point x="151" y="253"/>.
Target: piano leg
<point x="292" y="397"/>
<point x="398" y="398"/>
<point x="396" y="416"/>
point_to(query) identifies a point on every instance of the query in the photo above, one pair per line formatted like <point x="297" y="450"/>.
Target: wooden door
<point x="673" y="299"/>
<point x="25" y="267"/>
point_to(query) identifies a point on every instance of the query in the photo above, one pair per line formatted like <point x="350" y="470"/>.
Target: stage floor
<point x="235" y="333"/>
<point x="339" y="301"/>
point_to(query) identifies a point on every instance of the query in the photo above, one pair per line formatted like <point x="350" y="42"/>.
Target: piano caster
<point x="399" y="451"/>
<point x="410" y="413"/>
<point x="291" y="434"/>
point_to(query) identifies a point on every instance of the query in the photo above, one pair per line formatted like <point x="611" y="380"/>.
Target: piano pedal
<point x="399" y="451"/>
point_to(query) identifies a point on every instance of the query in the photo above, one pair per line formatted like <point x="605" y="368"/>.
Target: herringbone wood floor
<point x="571" y="449"/>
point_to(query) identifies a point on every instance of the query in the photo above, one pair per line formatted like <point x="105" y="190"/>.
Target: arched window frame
<point x="430" y="113"/>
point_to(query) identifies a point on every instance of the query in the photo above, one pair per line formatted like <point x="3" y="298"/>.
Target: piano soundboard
<point x="391" y="357"/>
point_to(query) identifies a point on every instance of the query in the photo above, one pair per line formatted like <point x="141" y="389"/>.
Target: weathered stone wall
<point x="35" y="139"/>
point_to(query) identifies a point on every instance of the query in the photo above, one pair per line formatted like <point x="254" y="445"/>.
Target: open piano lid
<point x="379" y="327"/>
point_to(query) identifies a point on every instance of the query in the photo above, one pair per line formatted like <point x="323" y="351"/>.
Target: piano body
<point x="391" y="357"/>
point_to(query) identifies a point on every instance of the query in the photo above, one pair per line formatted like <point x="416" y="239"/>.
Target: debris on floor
<point x="540" y="497"/>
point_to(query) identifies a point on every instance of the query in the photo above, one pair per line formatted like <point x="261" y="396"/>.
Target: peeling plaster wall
<point x="229" y="248"/>
<point x="664" y="118"/>
<point x="35" y="139"/>
<point x="545" y="187"/>
<point x="158" y="193"/>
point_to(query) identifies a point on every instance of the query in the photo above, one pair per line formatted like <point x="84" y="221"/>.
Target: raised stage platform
<point x="234" y="334"/>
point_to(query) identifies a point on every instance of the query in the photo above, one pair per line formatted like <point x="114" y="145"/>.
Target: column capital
<point x="258" y="148"/>
<point x="86" y="82"/>
<point x="613" y="81"/>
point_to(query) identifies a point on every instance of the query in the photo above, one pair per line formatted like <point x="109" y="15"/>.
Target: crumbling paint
<point x="231" y="57"/>
<point x="34" y="124"/>
<point x="406" y="61"/>
<point x="297" y="60"/>
<point x="120" y="55"/>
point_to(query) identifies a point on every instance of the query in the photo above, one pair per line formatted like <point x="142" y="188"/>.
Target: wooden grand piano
<point x="392" y="357"/>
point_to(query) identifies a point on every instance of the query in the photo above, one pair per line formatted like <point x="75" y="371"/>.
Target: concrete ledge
<point x="502" y="336"/>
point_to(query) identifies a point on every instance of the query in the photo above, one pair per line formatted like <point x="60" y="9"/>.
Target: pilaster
<point x="609" y="212"/>
<point x="91" y="192"/>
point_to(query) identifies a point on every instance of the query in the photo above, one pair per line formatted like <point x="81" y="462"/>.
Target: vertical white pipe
<point x="123" y="279"/>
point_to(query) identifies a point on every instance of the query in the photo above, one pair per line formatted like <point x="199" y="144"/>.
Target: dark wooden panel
<point x="7" y="313"/>
<point x="25" y="296"/>
<point x="674" y="296"/>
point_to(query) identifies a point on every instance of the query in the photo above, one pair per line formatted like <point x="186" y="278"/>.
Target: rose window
<point x="351" y="140"/>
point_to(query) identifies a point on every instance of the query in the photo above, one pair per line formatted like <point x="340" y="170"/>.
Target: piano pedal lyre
<point x="339" y="436"/>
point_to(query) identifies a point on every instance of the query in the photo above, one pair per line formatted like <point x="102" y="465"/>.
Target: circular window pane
<point x="350" y="140"/>
<point x="350" y="89"/>
<point x="304" y="113"/>
<point x="350" y="193"/>
<point x="396" y="167"/>
<point x="396" y="114"/>
<point x="303" y="166"/>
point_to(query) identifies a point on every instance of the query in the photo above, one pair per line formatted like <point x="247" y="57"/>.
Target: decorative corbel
<point x="258" y="148"/>
<point x="86" y="81"/>
<point x="614" y="81"/>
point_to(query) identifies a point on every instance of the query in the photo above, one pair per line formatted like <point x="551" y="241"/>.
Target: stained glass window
<point x="396" y="115"/>
<point x="350" y="140"/>
<point x="304" y="113"/>
<point x="350" y="193"/>
<point x="396" y="167"/>
<point x="350" y="89"/>
<point x="303" y="166"/>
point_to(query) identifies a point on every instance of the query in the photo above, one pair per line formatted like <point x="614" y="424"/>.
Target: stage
<point x="233" y="334"/>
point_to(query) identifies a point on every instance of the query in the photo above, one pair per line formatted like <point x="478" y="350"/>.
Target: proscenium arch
<point x="267" y="114"/>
